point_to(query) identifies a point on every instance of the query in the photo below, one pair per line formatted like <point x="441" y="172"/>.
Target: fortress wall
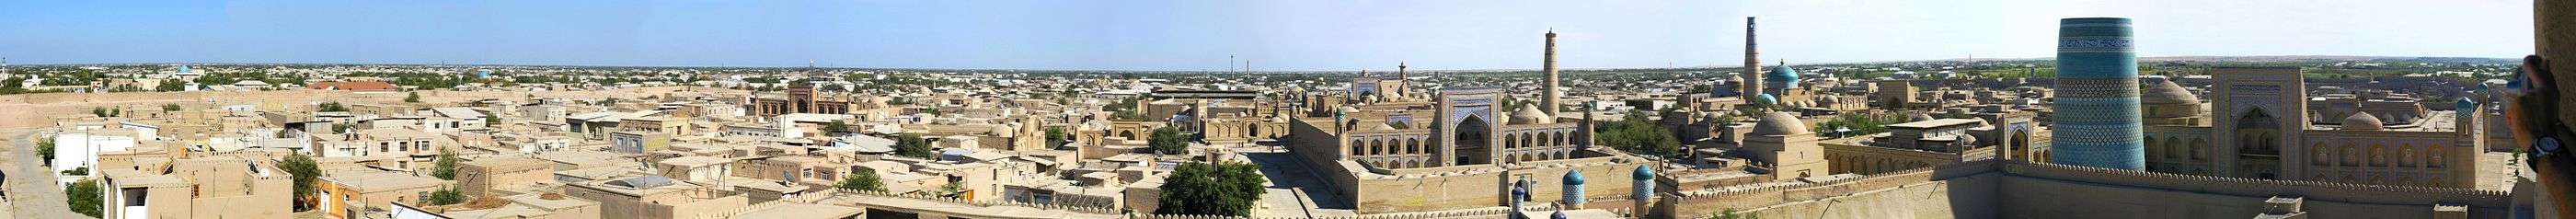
<point x="1605" y="181"/>
<point x="1956" y="181"/>
<point x="1963" y="197"/>
<point x="2380" y="194"/>
<point x="2079" y="192"/>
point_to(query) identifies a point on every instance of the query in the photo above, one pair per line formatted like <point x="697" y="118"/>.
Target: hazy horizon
<point x="1198" y="36"/>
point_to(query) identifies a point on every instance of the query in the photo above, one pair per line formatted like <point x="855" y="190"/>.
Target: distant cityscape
<point x="2095" y="132"/>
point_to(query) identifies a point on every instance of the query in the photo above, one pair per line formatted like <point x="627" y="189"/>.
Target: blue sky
<point x="1198" y="35"/>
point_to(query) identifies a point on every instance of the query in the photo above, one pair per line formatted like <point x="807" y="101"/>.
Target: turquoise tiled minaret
<point x="2097" y="123"/>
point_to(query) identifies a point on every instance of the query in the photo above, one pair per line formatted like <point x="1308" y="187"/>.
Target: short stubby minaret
<point x="2097" y="99"/>
<point x="1548" y="103"/>
<point x="1752" y="84"/>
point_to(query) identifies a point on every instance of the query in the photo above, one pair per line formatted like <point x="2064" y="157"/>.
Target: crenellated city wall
<point x="2003" y="188"/>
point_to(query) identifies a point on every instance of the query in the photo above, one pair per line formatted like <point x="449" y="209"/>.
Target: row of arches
<point x="1388" y="146"/>
<point x="1399" y="162"/>
<point x="2177" y="149"/>
<point x="1871" y="165"/>
<point x="1539" y="154"/>
<point x="1544" y="138"/>
<point x="2404" y="155"/>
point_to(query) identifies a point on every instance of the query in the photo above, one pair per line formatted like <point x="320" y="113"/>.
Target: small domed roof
<point x="1529" y="114"/>
<point x="1766" y="98"/>
<point x="1779" y="123"/>
<point x="2361" y="121"/>
<point x="1380" y="126"/>
<point x="2466" y="104"/>
<point x="1918" y="117"/>
<point x="1782" y="77"/>
<point x="2166" y="92"/>
<point x="1642" y="173"/>
<point x="1573" y="177"/>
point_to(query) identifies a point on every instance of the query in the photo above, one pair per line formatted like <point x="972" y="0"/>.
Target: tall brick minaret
<point x="1548" y="102"/>
<point x="1752" y="64"/>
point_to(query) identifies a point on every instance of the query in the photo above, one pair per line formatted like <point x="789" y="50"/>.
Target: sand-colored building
<point x="654" y="197"/>
<point x="355" y="193"/>
<point x="502" y="176"/>
<point x="212" y="187"/>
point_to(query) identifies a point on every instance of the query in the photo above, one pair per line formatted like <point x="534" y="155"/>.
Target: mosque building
<point x="2256" y="124"/>
<point x="1388" y="148"/>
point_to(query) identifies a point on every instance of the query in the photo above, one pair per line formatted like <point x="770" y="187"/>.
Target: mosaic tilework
<point x="2097" y="108"/>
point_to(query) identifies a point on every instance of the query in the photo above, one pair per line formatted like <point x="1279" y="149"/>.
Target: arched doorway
<point x="1472" y="142"/>
<point x="2257" y="145"/>
<point x="2019" y="144"/>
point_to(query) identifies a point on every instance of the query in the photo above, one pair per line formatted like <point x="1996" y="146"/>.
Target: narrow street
<point x="31" y="189"/>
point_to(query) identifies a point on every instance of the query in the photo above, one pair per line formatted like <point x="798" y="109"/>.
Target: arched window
<point x="2378" y="156"/>
<point x="1356" y="147"/>
<point x="2406" y="156"/>
<point x="2433" y="157"/>
<point x="2324" y="156"/>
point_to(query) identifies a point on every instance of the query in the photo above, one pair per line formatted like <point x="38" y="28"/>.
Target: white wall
<point x="75" y="149"/>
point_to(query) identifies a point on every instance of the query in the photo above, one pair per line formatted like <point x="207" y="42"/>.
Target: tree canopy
<point x="306" y="172"/>
<point x="446" y="166"/>
<point x="1168" y="140"/>
<point x="911" y="145"/>
<point x="1212" y="189"/>
<point x="1635" y="133"/>
<point x="862" y="180"/>
<point x="83" y="197"/>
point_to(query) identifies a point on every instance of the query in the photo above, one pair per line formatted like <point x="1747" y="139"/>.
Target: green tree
<point x="951" y="190"/>
<point x="171" y="85"/>
<point x="444" y="196"/>
<point x="331" y="107"/>
<point x="1168" y="140"/>
<point x="45" y="149"/>
<point x="83" y="197"/>
<point x="1211" y="189"/>
<point x="306" y="172"/>
<point x="862" y="180"/>
<point x="1056" y="136"/>
<point x="414" y="98"/>
<point x="910" y="145"/>
<point x="1636" y="133"/>
<point x="173" y="107"/>
<point x="835" y="128"/>
<point x="446" y="166"/>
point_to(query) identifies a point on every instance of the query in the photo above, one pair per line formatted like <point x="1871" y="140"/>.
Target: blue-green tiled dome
<point x="1643" y="173"/>
<point x="1573" y="177"/>
<point x="1781" y="77"/>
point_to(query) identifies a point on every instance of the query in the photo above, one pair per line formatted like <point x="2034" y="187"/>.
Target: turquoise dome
<point x="1643" y="173"/>
<point x="1766" y="99"/>
<point x="1781" y="77"/>
<point x="2466" y="104"/>
<point x="1574" y="177"/>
